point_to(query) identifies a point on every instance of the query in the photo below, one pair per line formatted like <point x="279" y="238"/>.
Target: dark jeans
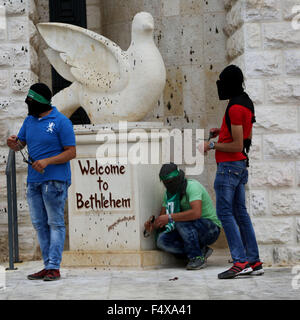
<point x="189" y="237"/>
<point x="229" y="185"/>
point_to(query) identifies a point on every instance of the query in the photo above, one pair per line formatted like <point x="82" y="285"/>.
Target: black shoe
<point x="52" y="275"/>
<point x="237" y="269"/>
<point x="196" y="263"/>
<point x="38" y="275"/>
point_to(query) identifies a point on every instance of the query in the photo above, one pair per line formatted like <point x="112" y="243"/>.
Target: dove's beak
<point x="148" y="26"/>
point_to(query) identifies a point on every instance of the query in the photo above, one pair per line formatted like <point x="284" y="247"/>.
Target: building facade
<point x="197" y="39"/>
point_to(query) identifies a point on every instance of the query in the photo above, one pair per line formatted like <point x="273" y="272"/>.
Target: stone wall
<point x="23" y="62"/>
<point x="19" y="68"/>
<point x="263" y="42"/>
<point x="45" y="75"/>
<point x="93" y="23"/>
<point x="190" y="37"/>
<point x="93" y="14"/>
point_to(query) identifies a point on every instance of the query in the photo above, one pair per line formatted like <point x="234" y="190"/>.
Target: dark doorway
<point x="72" y="12"/>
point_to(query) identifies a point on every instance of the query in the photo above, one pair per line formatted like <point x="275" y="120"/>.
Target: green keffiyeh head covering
<point x="37" y="97"/>
<point x="170" y="175"/>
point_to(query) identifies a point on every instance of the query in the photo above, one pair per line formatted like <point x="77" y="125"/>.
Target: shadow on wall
<point x="80" y="117"/>
<point x="221" y="243"/>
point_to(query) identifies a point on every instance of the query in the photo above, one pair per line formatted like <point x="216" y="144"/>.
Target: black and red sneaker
<point x="257" y="268"/>
<point x="52" y="275"/>
<point x="239" y="268"/>
<point x="38" y="275"/>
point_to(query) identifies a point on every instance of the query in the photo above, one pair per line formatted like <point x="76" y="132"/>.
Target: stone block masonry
<point x="197" y="40"/>
<point x="19" y="68"/>
<point x="190" y="37"/>
<point x="263" y="42"/>
<point x="22" y="63"/>
<point x="94" y="23"/>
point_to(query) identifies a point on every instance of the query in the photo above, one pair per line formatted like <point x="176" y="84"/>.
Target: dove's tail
<point x="67" y="100"/>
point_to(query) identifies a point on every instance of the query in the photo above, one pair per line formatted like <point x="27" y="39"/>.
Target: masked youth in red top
<point x="232" y="161"/>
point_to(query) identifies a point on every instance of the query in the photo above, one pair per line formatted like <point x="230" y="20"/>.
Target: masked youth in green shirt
<point x="187" y="223"/>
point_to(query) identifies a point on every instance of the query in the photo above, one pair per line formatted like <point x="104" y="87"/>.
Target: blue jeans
<point x="46" y="202"/>
<point x="229" y="185"/>
<point x="189" y="237"/>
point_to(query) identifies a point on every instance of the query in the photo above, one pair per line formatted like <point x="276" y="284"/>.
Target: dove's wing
<point x="58" y="64"/>
<point x="85" y="56"/>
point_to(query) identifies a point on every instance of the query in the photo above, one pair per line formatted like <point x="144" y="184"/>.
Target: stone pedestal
<point x="111" y="198"/>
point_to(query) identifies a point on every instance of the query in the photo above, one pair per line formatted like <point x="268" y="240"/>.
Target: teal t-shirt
<point x="196" y="191"/>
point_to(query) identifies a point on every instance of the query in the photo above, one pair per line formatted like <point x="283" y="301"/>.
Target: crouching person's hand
<point x="161" y="221"/>
<point x="149" y="224"/>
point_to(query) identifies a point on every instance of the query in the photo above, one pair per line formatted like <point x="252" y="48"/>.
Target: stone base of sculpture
<point x="119" y="259"/>
<point x="111" y="198"/>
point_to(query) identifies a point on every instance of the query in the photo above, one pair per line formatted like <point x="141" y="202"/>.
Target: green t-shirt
<point x="196" y="191"/>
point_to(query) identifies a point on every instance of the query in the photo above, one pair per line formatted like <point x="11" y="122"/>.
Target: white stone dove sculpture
<point x="109" y="83"/>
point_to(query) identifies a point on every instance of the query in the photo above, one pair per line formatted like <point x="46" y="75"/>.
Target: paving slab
<point x="169" y="283"/>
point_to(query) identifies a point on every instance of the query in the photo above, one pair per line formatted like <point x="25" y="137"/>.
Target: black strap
<point x="245" y="101"/>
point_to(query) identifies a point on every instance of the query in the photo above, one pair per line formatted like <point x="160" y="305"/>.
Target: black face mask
<point x="231" y="83"/>
<point x="176" y="184"/>
<point x="223" y="90"/>
<point x="228" y="90"/>
<point x="173" y="185"/>
<point x="36" y="108"/>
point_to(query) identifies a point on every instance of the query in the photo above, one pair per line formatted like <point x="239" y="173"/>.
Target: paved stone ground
<point x="150" y="284"/>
